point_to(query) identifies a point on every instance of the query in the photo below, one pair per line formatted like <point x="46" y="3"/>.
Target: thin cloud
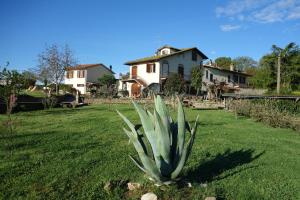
<point x="262" y="11"/>
<point x="229" y="27"/>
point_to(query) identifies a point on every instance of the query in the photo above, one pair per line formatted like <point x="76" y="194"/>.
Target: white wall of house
<point x="77" y="83"/>
<point x="90" y="75"/>
<point x="184" y="59"/>
<point x="152" y="77"/>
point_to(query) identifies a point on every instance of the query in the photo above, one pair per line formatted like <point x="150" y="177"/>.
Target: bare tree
<point x="52" y="64"/>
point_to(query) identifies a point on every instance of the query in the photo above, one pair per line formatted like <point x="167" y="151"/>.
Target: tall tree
<point x="243" y="62"/>
<point x="223" y="62"/>
<point x="267" y="71"/>
<point x="52" y="63"/>
<point x="284" y="65"/>
<point x="196" y="78"/>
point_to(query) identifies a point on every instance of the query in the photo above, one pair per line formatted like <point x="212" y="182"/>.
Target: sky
<point x="113" y="32"/>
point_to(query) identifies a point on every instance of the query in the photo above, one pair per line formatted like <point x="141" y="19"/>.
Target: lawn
<point x="73" y="153"/>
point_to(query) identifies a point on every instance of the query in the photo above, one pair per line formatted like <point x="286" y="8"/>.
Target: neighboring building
<point x="153" y="71"/>
<point x="215" y="75"/>
<point x="81" y="76"/>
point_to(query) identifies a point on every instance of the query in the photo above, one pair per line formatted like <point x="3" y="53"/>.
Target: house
<point x="82" y="76"/>
<point x="153" y="71"/>
<point x="231" y="78"/>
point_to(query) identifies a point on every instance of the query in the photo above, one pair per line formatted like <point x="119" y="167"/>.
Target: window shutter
<point x="153" y="70"/>
<point x="148" y="70"/>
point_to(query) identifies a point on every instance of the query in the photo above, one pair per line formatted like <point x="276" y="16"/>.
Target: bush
<point x="174" y="84"/>
<point x="271" y="112"/>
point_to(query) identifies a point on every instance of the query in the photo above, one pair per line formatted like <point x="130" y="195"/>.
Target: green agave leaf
<point x="162" y="110"/>
<point x="130" y="125"/>
<point x="181" y="128"/>
<point x="185" y="153"/>
<point x="148" y="164"/>
<point x="149" y="131"/>
<point x="162" y="139"/>
<point x="137" y="163"/>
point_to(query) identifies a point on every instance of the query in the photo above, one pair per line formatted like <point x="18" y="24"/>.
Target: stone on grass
<point x="149" y="196"/>
<point x="133" y="186"/>
<point x="210" y="198"/>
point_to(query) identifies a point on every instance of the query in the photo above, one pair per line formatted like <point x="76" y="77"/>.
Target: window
<point x="80" y="85"/>
<point x="206" y="74"/>
<point x="164" y="52"/>
<point x="211" y="78"/>
<point x="69" y="74"/>
<point x="236" y="78"/>
<point x="180" y="70"/>
<point x="150" y="68"/>
<point x="228" y="78"/>
<point x="194" y="56"/>
<point x="80" y="74"/>
<point x="242" y="80"/>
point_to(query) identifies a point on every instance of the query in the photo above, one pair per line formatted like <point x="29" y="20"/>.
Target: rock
<point x="189" y="185"/>
<point x="149" y="196"/>
<point x="210" y="198"/>
<point x="133" y="186"/>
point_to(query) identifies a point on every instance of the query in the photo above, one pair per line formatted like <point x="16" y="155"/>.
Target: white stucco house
<point x="154" y="70"/>
<point x="81" y="76"/>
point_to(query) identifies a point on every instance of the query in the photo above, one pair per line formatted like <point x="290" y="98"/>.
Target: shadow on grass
<point x="212" y="169"/>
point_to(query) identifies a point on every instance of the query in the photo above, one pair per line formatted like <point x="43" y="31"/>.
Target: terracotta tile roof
<point x="158" y="57"/>
<point x="87" y="66"/>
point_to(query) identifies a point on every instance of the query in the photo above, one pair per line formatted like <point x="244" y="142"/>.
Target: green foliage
<point x="29" y="79"/>
<point x="196" y="78"/>
<point x="223" y="62"/>
<point x="272" y="112"/>
<point x="174" y="84"/>
<point x="169" y="152"/>
<point x="266" y="73"/>
<point x="107" y="80"/>
<point x="243" y="62"/>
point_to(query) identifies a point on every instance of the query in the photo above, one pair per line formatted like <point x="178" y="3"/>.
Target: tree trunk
<point x="56" y="88"/>
<point x="278" y="75"/>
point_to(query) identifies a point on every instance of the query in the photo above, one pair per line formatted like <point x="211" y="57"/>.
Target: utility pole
<point x="278" y="74"/>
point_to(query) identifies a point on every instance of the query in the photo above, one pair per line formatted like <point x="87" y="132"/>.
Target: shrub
<point x="169" y="152"/>
<point x="271" y="112"/>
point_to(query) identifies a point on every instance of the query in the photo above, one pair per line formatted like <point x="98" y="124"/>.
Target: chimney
<point x="231" y="67"/>
<point x="110" y="67"/>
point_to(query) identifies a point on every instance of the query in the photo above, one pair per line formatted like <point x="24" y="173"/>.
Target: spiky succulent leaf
<point x="185" y="153"/>
<point x="181" y="129"/>
<point x="148" y="163"/>
<point x="149" y="131"/>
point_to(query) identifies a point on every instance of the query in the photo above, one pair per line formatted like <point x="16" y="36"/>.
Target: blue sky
<point x="113" y="32"/>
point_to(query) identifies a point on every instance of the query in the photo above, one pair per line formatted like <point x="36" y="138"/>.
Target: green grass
<point x="72" y="153"/>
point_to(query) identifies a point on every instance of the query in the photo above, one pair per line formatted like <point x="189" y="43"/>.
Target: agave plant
<point x="161" y="146"/>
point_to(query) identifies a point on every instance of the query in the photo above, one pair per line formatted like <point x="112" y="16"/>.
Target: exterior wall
<point x="90" y="75"/>
<point x="145" y="76"/>
<point x="96" y="72"/>
<point x="74" y="81"/>
<point x="221" y="76"/>
<point x="184" y="59"/>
